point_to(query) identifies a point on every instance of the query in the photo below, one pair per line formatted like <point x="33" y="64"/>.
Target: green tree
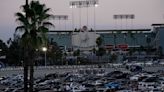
<point x="34" y="24"/>
<point x="160" y="52"/>
<point x="99" y="41"/>
<point x="94" y="50"/>
<point x="113" y="58"/>
<point x="3" y="51"/>
<point x="15" y="52"/>
<point x="101" y="51"/>
<point x="76" y="53"/>
<point x="54" y="53"/>
<point x="3" y="48"/>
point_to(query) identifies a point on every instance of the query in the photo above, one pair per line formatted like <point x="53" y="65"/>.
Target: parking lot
<point x="81" y="77"/>
<point x="42" y="70"/>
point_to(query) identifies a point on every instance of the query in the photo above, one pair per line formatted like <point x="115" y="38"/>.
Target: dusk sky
<point x="146" y="13"/>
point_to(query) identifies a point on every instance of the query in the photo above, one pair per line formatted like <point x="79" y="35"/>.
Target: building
<point x="130" y="37"/>
<point x="121" y="41"/>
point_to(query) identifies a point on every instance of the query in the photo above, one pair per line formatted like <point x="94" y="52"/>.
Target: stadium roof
<point x="157" y="25"/>
<point x="103" y="30"/>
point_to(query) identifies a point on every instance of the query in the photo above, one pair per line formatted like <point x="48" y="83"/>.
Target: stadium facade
<point x="112" y="40"/>
<point x="130" y="37"/>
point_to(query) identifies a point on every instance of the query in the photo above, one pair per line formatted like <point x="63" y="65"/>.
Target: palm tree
<point x="99" y="41"/>
<point x="101" y="50"/>
<point x="24" y="26"/>
<point x="34" y="24"/>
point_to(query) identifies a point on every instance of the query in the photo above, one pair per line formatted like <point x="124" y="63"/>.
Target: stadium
<point x="134" y="44"/>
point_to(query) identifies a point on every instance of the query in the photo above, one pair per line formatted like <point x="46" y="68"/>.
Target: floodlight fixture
<point x="124" y="16"/>
<point x="82" y="4"/>
<point x="61" y="17"/>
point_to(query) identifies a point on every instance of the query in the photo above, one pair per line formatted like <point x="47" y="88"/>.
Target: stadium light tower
<point x="65" y="18"/>
<point x="132" y="17"/>
<point x="80" y="5"/>
<point x="83" y="4"/>
<point x="95" y="4"/>
<point x="61" y="17"/>
<point x="72" y="5"/>
<point x="124" y="16"/>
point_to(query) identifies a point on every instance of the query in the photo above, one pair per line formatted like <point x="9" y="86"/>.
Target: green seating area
<point x="137" y="39"/>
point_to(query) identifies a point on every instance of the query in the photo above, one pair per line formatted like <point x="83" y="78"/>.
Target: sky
<point x="146" y="13"/>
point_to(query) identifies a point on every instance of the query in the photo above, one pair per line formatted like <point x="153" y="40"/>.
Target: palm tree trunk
<point x="31" y="71"/>
<point x="26" y="65"/>
<point x="25" y="78"/>
<point x="31" y="76"/>
<point x="26" y="2"/>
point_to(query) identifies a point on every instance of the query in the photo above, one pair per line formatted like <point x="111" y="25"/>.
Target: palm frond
<point x="34" y="23"/>
<point x="47" y="10"/>
<point x="48" y="24"/>
<point x="20" y="28"/>
<point x="18" y="14"/>
<point x="22" y="19"/>
<point x="42" y="29"/>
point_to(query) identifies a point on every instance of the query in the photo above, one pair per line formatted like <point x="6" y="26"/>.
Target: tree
<point x="3" y="51"/>
<point x="3" y="48"/>
<point x="76" y="53"/>
<point x="160" y="52"/>
<point x="101" y="51"/>
<point x="113" y="58"/>
<point x="34" y="24"/>
<point x="99" y="41"/>
<point x="54" y="53"/>
<point x="94" y="50"/>
<point x="15" y="52"/>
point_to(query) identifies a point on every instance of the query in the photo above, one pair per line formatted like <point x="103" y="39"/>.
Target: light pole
<point x="45" y="56"/>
